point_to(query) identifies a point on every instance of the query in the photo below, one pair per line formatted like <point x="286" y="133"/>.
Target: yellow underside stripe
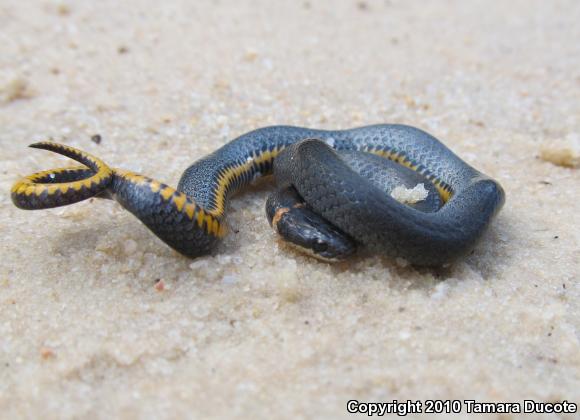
<point x="230" y="174"/>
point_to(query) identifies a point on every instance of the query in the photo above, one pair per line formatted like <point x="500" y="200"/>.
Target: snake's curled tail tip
<point x="62" y="149"/>
<point x="59" y="148"/>
<point x="46" y="145"/>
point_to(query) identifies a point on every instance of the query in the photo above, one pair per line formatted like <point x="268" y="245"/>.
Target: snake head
<point x="313" y="235"/>
<point x="302" y="228"/>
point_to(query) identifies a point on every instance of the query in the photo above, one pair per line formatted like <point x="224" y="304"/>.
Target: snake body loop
<point x="191" y="218"/>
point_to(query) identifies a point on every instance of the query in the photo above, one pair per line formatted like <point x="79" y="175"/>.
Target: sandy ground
<point x="258" y="329"/>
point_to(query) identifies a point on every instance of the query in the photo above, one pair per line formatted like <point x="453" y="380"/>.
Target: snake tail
<point x="62" y="186"/>
<point x="170" y="214"/>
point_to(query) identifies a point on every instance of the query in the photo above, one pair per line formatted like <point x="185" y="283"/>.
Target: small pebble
<point x="17" y="88"/>
<point x="564" y="152"/>
<point x="159" y="285"/>
<point x="47" y="353"/>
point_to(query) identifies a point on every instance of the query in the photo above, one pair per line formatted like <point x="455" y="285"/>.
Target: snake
<point x="334" y="192"/>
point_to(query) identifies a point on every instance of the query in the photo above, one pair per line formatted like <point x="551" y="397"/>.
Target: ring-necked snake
<point x="333" y="192"/>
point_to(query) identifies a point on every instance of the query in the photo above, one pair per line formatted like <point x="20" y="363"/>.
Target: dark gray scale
<point x="298" y="224"/>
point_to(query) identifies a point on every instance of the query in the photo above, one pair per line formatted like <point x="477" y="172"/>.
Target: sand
<point x="99" y="319"/>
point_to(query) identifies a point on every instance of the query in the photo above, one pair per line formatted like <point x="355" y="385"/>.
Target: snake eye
<point x="319" y="246"/>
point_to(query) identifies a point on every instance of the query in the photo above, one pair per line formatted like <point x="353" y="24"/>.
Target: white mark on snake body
<point x="410" y="195"/>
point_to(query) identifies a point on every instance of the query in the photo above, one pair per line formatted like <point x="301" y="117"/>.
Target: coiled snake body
<point x="326" y="203"/>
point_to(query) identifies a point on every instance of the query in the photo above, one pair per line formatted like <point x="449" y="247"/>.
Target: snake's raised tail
<point x="62" y="186"/>
<point x="173" y="216"/>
